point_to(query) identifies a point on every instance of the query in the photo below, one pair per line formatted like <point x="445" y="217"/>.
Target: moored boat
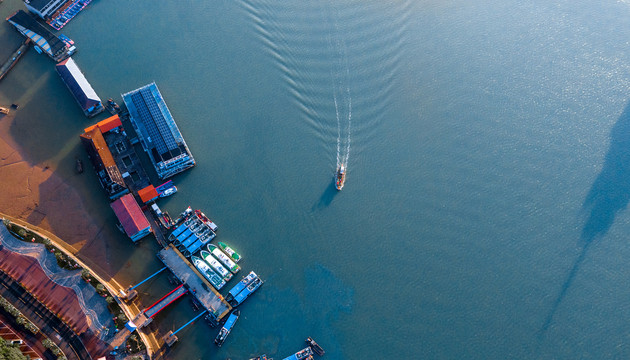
<point x="112" y="107"/>
<point x="205" y="270"/>
<point x="245" y="293"/>
<point x="229" y="252"/>
<point x="303" y="354"/>
<point x="216" y="265"/>
<point x="340" y="177"/>
<point x="246" y="280"/>
<point x="224" y="259"/>
<point x="168" y="192"/>
<point x="206" y="220"/>
<point x="227" y="327"/>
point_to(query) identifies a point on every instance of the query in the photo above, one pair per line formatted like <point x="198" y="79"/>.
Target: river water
<point x="488" y="166"/>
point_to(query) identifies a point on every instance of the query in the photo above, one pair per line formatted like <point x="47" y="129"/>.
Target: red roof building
<point x="148" y="193"/>
<point x="131" y="217"/>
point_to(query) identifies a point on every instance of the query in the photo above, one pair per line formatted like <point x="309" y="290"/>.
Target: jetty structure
<point x="158" y="133"/>
<point x="131" y="217"/>
<point x="102" y="159"/>
<point x="80" y="88"/>
<point x="42" y="38"/>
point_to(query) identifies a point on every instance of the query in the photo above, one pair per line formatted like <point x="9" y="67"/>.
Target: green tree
<point x="10" y="352"/>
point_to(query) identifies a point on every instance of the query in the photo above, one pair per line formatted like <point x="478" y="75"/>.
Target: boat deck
<point x="199" y="287"/>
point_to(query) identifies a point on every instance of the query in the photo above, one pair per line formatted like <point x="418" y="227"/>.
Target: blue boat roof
<point x="229" y="323"/>
<point x="194" y="246"/>
<point x="179" y="230"/>
<point x="239" y="287"/>
<point x="184" y="235"/>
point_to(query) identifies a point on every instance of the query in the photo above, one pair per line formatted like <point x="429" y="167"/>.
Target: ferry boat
<point x="246" y="292"/>
<point x="224" y="259"/>
<point x="220" y="269"/>
<point x="227" y="327"/>
<point x="340" y="177"/>
<point x="241" y="285"/>
<point x="208" y="273"/>
<point x="304" y="354"/>
<point x="229" y="251"/>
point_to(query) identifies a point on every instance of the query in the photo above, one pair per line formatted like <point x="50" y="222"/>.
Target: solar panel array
<point x="154" y="121"/>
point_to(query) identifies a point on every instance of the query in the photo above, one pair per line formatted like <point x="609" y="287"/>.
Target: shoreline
<point x="40" y="197"/>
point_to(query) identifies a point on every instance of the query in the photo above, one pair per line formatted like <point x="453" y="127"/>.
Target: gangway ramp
<point x="165" y="301"/>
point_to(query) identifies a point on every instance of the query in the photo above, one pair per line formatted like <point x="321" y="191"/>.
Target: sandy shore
<point x="40" y="197"/>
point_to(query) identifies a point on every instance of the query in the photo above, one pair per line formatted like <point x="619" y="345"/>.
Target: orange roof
<point x="106" y="125"/>
<point x="148" y="193"/>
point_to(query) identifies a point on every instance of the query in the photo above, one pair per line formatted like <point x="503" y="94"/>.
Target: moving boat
<point x="220" y="269"/>
<point x="224" y="259"/>
<point x="208" y="273"/>
<point x="227" y="327"/>
<point x="340" y="177"/>
<point x="230" y="252"/>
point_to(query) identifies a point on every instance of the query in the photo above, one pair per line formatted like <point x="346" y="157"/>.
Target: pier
<point x="199" y="287"/>
<point x="14" y="58"/>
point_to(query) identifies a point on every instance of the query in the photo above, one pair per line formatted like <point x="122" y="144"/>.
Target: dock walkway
<point x="199" y="287"/>
<point x="14" y="58"/>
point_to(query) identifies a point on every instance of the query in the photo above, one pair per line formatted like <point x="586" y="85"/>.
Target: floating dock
<point x="199" y="287"/>
<point x="14" y="58"/>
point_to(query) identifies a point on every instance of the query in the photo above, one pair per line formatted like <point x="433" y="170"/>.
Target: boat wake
<point x="316" y="44"/>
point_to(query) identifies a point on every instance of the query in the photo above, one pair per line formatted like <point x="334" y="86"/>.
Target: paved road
<point x="49" y="324"/>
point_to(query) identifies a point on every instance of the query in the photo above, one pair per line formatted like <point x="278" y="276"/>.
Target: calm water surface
<point x="488" y="166"/>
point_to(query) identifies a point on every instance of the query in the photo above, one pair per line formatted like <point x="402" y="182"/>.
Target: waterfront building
<point x="131" y="217"/>
<point x="43" y="8"/>
<point x="148" y="194"/>
<point x="43" y="39"/>
<point x="159" y="135"/>
<point x="80" y="88"/>
<point x="101" y="157"/>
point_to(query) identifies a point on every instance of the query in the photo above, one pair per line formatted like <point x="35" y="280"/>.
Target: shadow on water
<point x="327" y="197"/>
<point x="609" y="194"/>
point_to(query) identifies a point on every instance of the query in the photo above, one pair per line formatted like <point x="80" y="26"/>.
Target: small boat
<point x="261" y="357"/>
<point x="220" y="269"/>
<point x="78" y="166"/>
<point x="303" y="354"/>
<point x="112" y="107"/>
<point x="208" y="273"/>
<point x="227" y="327"/>
<point x="245" y="293"/>
<point x="38" y="49"/>
<point x="230" y="252"/>
<point x="224" y="259"/>
<point x="340" y="178"/>
<point x="315" y="346"/>
<point x="168" y="192"/>
<point x="246" y="280"/>
<point x="201" y="216"/>
<point x="4" y="111"/>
